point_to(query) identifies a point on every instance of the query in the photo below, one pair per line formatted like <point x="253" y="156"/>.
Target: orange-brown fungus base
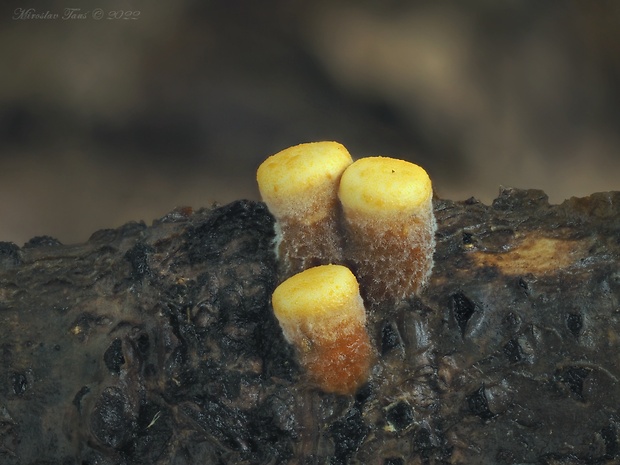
<point x="340" y="366"/>
<point x="304" y="246"/>
<point x="388" y="265"/>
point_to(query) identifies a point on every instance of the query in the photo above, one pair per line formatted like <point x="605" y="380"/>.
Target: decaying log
<point x="157" y="345"/>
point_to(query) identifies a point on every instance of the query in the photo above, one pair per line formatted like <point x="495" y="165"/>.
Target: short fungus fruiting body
<point x="322" y="315"/>
<point x="300" y="187"/>
<point x="390" y="226"/>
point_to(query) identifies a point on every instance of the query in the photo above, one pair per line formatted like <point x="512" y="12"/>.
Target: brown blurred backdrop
<point x="111" y="120"/>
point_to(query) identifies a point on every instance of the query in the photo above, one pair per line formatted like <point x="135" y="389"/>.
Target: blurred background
<point x="103" y="121"/>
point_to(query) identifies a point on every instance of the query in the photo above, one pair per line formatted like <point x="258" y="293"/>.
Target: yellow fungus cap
<point x="381" y="186"/>
<point x="303" y="180"/>
<point x="315" y="292"/>
<point x="317" y="300"/>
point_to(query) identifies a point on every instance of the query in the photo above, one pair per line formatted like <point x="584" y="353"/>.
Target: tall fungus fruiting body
<point x="300" y="187"/>
<point x="390" y="226"/>
<point x="322" y="315"/>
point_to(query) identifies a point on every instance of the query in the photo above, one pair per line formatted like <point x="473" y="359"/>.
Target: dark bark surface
<point x="157" y="345"/>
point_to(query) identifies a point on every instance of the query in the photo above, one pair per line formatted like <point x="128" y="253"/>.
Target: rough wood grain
<point x="158" y="345"/>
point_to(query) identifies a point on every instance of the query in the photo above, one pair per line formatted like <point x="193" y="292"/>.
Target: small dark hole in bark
<point x="574" y="322"/>
<point x="512" y="350"/>
<point x="463" y="309"/>
<point x="479" y="405"/>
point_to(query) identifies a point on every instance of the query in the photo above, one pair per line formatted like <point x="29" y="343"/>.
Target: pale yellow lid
<point x="321" y="292"/>
<point x="302" y="177"/>
<point x="381" y="186"/>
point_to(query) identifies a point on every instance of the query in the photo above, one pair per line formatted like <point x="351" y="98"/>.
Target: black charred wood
<point x="158" y="345"/>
